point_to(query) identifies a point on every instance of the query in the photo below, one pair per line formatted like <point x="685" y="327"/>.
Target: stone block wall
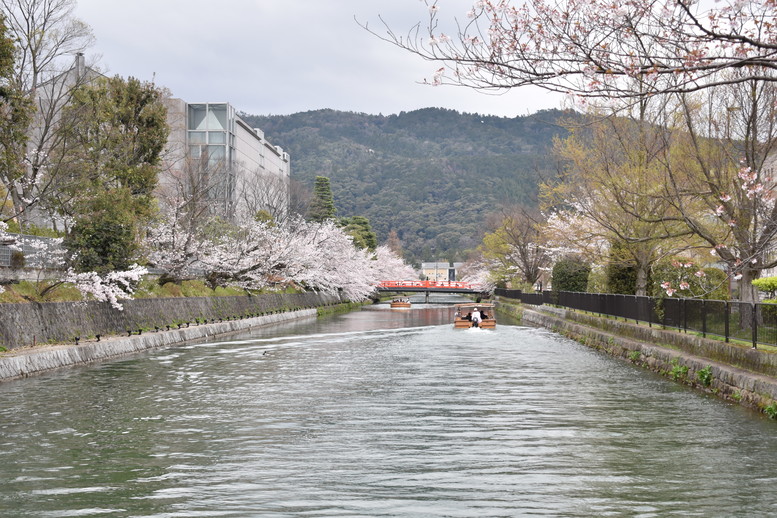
<point x="59" y="322"/>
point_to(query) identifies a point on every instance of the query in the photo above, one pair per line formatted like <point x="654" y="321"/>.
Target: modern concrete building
<point x="211" y="149"/>
<point x="211" y="152"/>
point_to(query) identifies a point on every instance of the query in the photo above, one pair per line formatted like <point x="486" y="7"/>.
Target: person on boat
<point x="476" y="318"/>
<point x="469" y="316"/>
<point x="483" y="315"/>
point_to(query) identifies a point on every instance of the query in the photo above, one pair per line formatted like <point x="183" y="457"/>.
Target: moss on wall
<point x="58" y="322"/>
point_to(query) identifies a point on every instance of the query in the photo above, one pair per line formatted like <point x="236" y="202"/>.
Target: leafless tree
<point x="516" y="243"/>
<point x="49" y="65"/>
<point x="264" y="192"/>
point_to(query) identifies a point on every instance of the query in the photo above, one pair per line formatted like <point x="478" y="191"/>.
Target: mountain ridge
<point x="433" y="175"/>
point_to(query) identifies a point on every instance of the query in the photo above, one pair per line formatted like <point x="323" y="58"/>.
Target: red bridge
<point x="428" y="286"/>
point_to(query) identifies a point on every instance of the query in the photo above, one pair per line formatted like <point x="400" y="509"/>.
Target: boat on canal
<point x="463" y="316"/>
<point x="400" y="304"/>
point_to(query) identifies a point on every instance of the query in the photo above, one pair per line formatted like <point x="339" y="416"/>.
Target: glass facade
<point x="226" y="159"/>
<point x="210" y="135"/>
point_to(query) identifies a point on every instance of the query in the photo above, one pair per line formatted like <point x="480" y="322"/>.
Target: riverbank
<point x="23" y="325"/>
<point x="27" y="361"/>
<point x="729" y="371"/>
<point x="57" y="335"/>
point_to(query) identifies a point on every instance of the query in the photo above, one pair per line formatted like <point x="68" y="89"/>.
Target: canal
<point x="378" y="412"/>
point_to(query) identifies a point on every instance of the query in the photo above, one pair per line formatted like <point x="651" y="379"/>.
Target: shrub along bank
<point x="734" y="372"/>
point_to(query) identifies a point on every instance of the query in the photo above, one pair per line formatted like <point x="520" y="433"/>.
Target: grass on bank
<point x="27" y="291"/>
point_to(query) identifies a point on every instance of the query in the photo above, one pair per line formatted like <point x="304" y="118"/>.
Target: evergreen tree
<point x="114" y="150"/>
<point x="359" y="228"/>
<point x="15" y="114"/>
<point x="570" y="274"/>
<point x="322" y="207"/>
<point x="621" y="270"/>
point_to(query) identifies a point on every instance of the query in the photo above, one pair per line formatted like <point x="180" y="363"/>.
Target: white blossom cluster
<point x="256" y="255"/>
<point x="479" y="273"/>
<point x="110" y="287"/>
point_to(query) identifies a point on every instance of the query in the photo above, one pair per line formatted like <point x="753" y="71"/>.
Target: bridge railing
<point x="427" y="284"/>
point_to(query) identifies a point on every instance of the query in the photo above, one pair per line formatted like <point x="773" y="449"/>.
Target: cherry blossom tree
<point x="48" y="257"/>
<point x="596" y="48"/>
<point x="331" y="263"/>
<point x="388" y="265"/>
<point x="480" y="273"/>
<point x="110" y="287"/>
<point x="317" y="256"/>
<point x="723" y="189"/>
<point x="567" y="232"/>
<point x="177" y="238"/>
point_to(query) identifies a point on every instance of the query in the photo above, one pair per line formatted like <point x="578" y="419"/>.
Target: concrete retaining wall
<point x="57" y="322"/>
<point x="25" y="362"/>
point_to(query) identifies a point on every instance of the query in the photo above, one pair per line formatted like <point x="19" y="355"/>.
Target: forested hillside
<point x="433" y="175"/>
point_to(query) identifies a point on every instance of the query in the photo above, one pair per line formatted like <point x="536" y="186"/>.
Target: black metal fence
<point x="731" y="320"/>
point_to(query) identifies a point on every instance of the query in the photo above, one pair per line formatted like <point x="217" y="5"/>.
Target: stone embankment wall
<point x="24" y="362"/>
<point x="738" y="373"/>
<point x="61" y="322"/>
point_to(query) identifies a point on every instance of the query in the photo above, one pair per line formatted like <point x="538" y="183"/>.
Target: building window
<point x="197" y="137"/>
<point x="217" y="137"/>
<point x="208" y="117"/>
<point x="198" y="116"/>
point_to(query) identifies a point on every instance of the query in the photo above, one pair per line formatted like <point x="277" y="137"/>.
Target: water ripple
<point x="377" y="413"/>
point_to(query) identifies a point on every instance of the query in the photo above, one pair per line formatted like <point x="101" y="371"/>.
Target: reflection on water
<point x="378" y="412"/>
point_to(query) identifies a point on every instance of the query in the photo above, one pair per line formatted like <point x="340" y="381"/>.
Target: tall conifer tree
<point x="322" y="207"/>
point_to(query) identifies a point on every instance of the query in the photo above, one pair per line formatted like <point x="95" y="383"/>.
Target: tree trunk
<point x="642" y="279"/>
<point x="748" y="292"/>
<point x="748" y="296"/>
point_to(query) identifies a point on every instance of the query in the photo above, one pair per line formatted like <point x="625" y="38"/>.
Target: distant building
<point x="210" y="152"/>
<point x="212" y="149"/>
<point x="50" y="99"/>
<point x="440" y="271"/>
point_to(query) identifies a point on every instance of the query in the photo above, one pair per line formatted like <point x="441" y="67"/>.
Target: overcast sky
<point x="277" y="57"/>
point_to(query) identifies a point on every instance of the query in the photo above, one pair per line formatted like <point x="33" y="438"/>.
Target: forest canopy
<point x="432" y="175"/>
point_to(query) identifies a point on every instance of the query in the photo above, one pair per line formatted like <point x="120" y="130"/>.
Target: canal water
<point x="378" y="412"/>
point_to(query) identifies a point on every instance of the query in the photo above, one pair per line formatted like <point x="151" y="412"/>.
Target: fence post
<point x="728" y="318"/>
<point x="704" y="318"/>
<point x="754" y="325"/>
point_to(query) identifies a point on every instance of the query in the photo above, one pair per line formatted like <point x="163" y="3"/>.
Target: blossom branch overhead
<point x="596" y="48"/>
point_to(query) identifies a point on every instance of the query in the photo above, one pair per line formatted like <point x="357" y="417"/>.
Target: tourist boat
<point x="463" y="311"/>
<point x="400" y="303"/>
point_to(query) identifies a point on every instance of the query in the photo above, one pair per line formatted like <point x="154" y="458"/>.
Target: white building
<point x="211" y="149"/>
<point x="440" y="270"/>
